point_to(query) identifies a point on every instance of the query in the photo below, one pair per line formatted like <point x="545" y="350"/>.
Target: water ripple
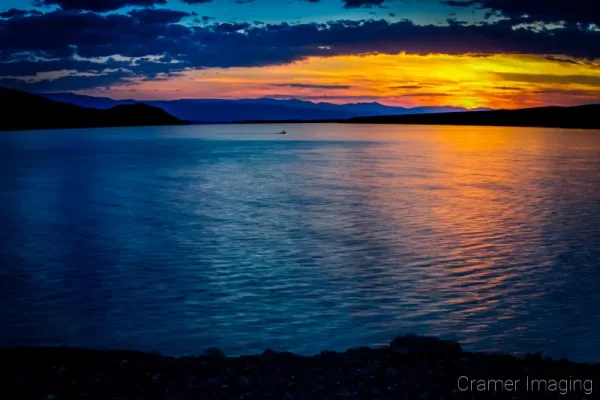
<point x="180" y="238"/>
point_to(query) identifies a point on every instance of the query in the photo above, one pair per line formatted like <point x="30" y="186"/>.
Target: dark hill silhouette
<point x="21" y="111"/>
<point x="578" y="117"/>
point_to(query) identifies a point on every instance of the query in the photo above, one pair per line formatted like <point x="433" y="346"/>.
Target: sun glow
<point x="498" y="81"/>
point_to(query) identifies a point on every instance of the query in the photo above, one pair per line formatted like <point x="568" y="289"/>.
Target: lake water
<point x="175" y="239"/>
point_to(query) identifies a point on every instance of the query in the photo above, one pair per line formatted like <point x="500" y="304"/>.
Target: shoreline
<point x="410" y="367"/>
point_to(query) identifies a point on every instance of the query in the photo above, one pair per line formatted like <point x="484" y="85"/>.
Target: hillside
<point x="22" y="111"/>
<point x="582" y="117"/>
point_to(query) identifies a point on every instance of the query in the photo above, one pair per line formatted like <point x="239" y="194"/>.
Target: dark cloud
<point x="593" y="94"/>
<point x="362" y="3"/>
<point x="460" y="3"/>
<point x="574" y="11"/>
<point x="562" y="60"/>
<point x="137" y="34"/>
<point x="227" y="27"/>
<point x="177" y="46"/>
<point x="543" y="78"/>
<point x="566" y="91"/>
<point x="309" y="86"/>
<point x="407" y="87"/>
<point x="149" y="16"/>
<point x="96" y="5"/>
<point x="508" y="88"/>
<point x="67" y="83"/>
<point x="427" y="94"/>
<point x="30" y="68"/>
<point x="14" y="13"/>
<point x="157" y="32"/>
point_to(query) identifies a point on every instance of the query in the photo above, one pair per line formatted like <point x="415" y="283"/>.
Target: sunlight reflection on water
<point x="180" y="238"/>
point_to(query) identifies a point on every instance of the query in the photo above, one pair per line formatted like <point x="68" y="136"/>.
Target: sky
<point x="468" y="53"/>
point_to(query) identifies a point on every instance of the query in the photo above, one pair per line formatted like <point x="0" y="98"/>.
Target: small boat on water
<point x="281" y="133"/>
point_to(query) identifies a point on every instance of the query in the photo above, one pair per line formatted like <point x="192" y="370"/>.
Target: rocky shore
<point x="409" y="368"/>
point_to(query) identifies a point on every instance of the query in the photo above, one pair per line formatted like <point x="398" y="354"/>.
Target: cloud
<point x="149" y="16"/>
<point x="14" y="13"/>
<point x="544" y="78"/>
<point x="574" y="11"/>
<point x="362" y="3"/>
<point x="310" y="86"/>
<point x="96" y="5"/>
<point x="427" y="94"/>
<point x="562" y="60"/>
<point x="508" y="88"/>
<point x="175" y="46"/>
<point x="32" y="68"/>
<point x="70" y="82"/>
<point x="407" y="87"/>
<point x="196" y="1"/>
<point x="227" y="27"/>
<point x="570" y="92"/>
<point x="460" y="3"/>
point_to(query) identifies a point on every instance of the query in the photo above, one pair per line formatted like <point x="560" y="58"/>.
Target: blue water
<point x="175" y="239"/>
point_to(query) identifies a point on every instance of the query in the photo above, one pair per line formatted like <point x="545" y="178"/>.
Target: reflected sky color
<point x="180" y="238"/>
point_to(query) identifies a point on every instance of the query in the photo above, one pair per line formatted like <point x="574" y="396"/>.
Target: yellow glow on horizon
<point x="498" y="81"/>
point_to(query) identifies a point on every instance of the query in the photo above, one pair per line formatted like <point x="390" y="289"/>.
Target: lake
<point x="176" y="239"/>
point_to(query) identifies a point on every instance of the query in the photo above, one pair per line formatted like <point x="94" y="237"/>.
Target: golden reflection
<point x="481" y="216"/>
<point x="446" y="211"/>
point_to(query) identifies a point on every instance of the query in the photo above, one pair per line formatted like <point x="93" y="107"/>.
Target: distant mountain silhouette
<point x="21" y="110"/>
<point x="217" y="110"/>
<point x="582" y="117"/>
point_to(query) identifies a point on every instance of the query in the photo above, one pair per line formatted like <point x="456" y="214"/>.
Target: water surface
<point x="174" y="239"/>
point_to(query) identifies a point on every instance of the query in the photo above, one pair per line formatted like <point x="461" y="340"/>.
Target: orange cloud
<point x="499" y="81"/>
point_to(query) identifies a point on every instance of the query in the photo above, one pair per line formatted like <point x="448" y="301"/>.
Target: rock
<point x="214" y="353"/>
<point x="194" y="382"/>
<point x="244" y="381"/>
<point x="536" y="357"/>
<point x="391" y="372"/>
<point x="412" y="344"/>
<point x="268" y="355"/>
<point x="376" y="374"/>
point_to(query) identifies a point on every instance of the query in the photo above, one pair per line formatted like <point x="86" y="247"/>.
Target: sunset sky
<point x="470" y="53"/>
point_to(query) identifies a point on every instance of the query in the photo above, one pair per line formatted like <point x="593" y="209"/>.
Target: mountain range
<point x="223" y="111"/>
<point x="22" y="111"/>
